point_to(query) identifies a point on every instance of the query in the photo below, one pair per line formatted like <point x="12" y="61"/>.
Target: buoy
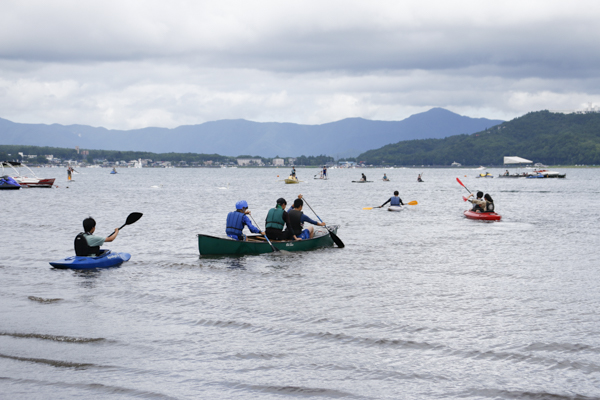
<point x="278" y="176"/>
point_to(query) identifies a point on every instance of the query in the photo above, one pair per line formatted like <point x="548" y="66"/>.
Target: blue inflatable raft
<point x="105" y="260"/>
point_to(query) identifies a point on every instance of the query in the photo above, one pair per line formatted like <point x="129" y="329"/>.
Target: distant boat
<point x="455" y="164"/>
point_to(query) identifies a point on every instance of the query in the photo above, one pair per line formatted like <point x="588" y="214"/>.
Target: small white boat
<point x="395" y="208"/>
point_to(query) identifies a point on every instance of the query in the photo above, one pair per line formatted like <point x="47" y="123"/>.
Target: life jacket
<point x="82" y="248"/>
<point x="395" y="201"/>
<point x="275" y="218"/>
<point x="489" y="207"/>
<point x="296" y="222"/>
<point x="235" y="223"/>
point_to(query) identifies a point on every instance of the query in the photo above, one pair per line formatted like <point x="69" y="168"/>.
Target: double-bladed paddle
<point x="335" y="238"/>
<point x="410" y="203"/>
<point x="131" y="219"/>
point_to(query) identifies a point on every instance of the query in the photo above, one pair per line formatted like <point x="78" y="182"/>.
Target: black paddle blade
<point x="336" y="240"/>
<point x="133" y="217"/>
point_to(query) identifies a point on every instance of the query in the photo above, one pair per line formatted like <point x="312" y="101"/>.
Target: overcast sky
<point x="131" y="64"/>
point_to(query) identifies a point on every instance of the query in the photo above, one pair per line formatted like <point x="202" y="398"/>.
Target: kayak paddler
<point x="489" y="203"/>
<point x="87" y="244"/>
<point x="478" y="203"/>
<point x="297" y="220"/>
<point x="276" y="220"/>
<point x="236" y="221"/>
<point x="395" y="200"/>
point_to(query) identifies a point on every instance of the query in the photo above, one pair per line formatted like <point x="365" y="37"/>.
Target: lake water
<point x="421" y="304"/>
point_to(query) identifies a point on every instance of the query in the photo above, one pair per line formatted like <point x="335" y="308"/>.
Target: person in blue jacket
<point x="236" y="221"/>
<point x="395" y="200"/>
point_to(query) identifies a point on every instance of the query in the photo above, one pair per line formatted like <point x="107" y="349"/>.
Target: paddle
<point x="335" y="238"/>
<point x="410" y="203"/>
<point x="131" y="218"/>
<point x="275" y="249"/>
<point x="461" y="184"/>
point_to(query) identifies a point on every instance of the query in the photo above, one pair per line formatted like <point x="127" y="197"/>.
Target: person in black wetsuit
<point x="394" y="200"/>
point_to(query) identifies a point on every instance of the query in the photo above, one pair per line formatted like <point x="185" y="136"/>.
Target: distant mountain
<point x="542" y="136"/>
<point x="345" y="138"/>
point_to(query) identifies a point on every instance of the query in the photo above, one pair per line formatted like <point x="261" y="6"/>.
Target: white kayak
<point x="395" y="208"/>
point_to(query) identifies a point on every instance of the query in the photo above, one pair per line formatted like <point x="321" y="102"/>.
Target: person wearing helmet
<point x="236" y="221"/>
<point x="478" y="203"/>
<point x="277" y="219"/>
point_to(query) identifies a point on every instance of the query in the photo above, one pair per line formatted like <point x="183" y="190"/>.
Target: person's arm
<point x="113" y="236"/>
<point x="306" y="218"/>
<point x="252" y="228"/>
<point x="402" y="202"/>
<point x="390" y="199"/>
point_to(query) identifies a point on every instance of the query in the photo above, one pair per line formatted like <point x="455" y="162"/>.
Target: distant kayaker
<point x="297" y="220"/>
<point x="478" y="203"/>
<point x="489" y="203"/>
<point x="385" y="178"/>
<point x="277" y="219"/>
<point x="395" y="200"/>
<point x="87" y="244"/>
<point x="419" y="178"/>
<point x="364" y="178"/>
<point x="506" y="173"/>
<point x="236" y="221"/>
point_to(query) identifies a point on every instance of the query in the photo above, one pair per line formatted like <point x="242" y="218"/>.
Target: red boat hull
<point x="483" y="216"/>
<point x="42" y="183"/>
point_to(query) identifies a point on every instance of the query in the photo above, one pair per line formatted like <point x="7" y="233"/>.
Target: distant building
<point x="249" y="161"/>
<point x="291" y="160"/>
<point x="278" y="162"/>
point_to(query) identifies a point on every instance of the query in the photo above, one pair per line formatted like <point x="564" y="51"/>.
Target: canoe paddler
<point x="87" y="244"/>
<point x="236" y="221"/>
<point x="276" y="220"/>
<point x="297" y="220"/>
<point x="395" y="200"/>
<point x="478" y="203"/>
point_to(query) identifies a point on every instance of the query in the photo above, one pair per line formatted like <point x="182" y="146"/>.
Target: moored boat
<point x="215" y="245"/>
<point x="106" y="259"/>
<point x="483" y="216"/>
<point x="27" y="181"/>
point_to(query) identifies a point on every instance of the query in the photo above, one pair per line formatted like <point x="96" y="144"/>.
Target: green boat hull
<point x="213" y="245"/>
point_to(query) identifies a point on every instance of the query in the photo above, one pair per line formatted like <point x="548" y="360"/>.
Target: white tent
<point x="516" y="160"/>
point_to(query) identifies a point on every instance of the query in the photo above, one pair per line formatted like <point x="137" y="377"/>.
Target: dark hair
<point x="298" y="203"/>
<point x="281" y="201"/>
<point x="396" y="193"/>
<point x="488" y="198"/>
<point x="88" y="224"/>
<point x="479" y="194"/>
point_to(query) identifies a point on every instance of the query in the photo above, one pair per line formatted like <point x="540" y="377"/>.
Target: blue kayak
<point x="105" y="260"/>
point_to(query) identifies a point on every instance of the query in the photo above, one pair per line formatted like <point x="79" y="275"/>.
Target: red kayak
<point x="486" y="216"/>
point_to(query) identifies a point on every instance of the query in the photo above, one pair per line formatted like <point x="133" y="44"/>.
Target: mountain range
<point x="345" y="138"/>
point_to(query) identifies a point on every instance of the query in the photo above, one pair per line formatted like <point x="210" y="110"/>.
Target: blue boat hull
<point x="106" y="260"/>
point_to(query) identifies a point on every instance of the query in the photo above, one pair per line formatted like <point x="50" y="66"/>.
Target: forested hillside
<point x="545" y="137"/>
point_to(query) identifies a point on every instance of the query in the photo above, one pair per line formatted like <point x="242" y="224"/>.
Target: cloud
<point x="151" y="63"/>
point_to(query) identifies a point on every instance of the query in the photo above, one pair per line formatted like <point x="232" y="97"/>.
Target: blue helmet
<point x="241" y="204"/>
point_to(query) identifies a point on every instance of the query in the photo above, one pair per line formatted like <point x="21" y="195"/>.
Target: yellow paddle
<point x="410" y="203"/>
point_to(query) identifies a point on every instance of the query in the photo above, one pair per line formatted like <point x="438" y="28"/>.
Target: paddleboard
<point x="362" y="181"/>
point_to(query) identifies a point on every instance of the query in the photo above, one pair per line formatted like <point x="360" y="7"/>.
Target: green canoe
<point x="213" y="245"/>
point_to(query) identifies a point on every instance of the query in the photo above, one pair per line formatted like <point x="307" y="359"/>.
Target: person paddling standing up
<point x="297" y="220"/>
<point x="395" y="200"/>
<point x="236" y="221"/>
<point x="87" y="244"/>
<point x="478" y="203"/>
<point x="277" y="219"/>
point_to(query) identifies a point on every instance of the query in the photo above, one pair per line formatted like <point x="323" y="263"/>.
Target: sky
<point x="130" y="64"/>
